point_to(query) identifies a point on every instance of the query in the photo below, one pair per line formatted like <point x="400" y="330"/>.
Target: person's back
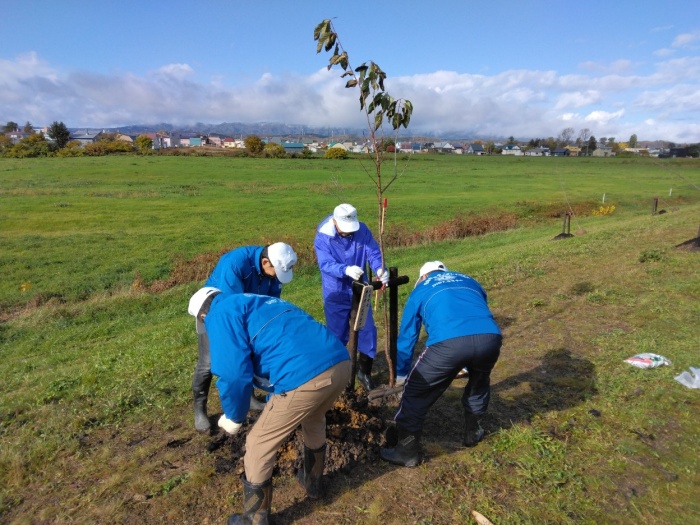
<point x="450" y="304"/>
<point x="268" y="343"/>
<point x="248" y="269"/>
<point x="239" y="271"/>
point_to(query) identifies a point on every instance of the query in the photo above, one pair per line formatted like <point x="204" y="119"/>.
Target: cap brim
<point x="349" y="226"/>
<point x="282" y="276"/>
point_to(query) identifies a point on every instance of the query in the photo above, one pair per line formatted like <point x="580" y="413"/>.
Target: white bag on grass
<point x="690" y="379"/>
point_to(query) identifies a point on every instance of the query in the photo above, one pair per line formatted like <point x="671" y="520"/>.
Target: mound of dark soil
<point x="356" y="429"/>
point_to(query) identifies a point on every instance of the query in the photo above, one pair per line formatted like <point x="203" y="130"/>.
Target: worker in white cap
<point x="343" y="246"/>
<point x="249" y="269"/>
<point x="462" y="333"/>
<point x="270" y="344"/>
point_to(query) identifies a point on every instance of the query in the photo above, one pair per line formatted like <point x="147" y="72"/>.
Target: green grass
<point x="99" y="359"/>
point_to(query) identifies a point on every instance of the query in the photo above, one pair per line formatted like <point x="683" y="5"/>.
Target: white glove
<point x="383" y="276"/>
<point x="230" y="427"/>
<point x="400" y="380"/>
<point x="354" y="272"/>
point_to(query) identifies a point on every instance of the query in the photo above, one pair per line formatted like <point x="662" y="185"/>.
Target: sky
<point x="481" y="69"/>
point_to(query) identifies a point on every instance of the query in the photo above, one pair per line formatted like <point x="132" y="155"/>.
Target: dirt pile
<point x="356" y="429"/>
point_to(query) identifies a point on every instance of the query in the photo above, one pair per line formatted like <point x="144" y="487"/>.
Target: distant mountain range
<point x="298" y="131"/>
<point x="278" y="129"/>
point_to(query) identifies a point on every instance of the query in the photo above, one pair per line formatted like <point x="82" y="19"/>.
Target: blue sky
<point x="500" y="68"/>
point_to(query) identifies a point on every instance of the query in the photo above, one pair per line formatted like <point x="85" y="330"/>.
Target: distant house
<point x="511" y="149"/>
<point x="603" y="151"/>
<point x="475" y="149"/>
<point x="405" y="147"/>
<point x="85" y="137"/>
<point x="166" y="141"/>
<point x="537" y="152"/>
<point x="338" y="145"/>
<point x="561" y="152"/>
<point x="574" y="151"/>
<point x="196" y="142"/>
<point x="16" y="136"/>
<point x="215" y="140"/>
<point x="458" y="149"/>
<point x="443" y="147"/>
<point x="229" y="142"/>
<point x="293" y="147"/>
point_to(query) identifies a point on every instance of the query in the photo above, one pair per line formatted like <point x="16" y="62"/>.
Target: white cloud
<point x="604" y="118"/>
<point x="686" y="39"/>
<point x="664" y="52"/>
<point x="175" y="71"/>
<point x="609" y="100"/>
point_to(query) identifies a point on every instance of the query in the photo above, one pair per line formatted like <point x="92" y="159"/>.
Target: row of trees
<point x="56" y="142"/>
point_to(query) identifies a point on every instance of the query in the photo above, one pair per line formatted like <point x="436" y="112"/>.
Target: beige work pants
<point x="306" y="406"/>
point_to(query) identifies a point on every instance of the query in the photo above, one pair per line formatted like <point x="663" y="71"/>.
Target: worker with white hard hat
<point x="462" y="333"/>
<point x="270" y="344"/>
<point x="343" y="246"/>
<point x="248" y="269"/>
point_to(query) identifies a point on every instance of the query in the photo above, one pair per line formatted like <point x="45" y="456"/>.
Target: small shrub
<point x="604" y="210"/>
<point x="651" y="256"/>
<point x="335" y="153"/>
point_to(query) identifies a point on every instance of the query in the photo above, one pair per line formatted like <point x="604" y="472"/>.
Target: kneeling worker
<point x="462" y="333"/>
<point x="271" y="344"/>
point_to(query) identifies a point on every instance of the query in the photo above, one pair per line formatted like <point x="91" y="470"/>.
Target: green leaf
<point x="378" y="120"/>
<point x="331" y="41"/>
<point x="322" y="27"/>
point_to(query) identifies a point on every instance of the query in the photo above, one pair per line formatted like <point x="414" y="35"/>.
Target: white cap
<point x="196" y="302"/>
<point x="431" y="266"/>
<point x="282" y="258"/>
<point x="345" y="216"/>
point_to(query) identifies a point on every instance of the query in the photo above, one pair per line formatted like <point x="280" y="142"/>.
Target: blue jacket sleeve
<point x="230" y="360"/>
<point x="408" y="335"/>
<point x="326" y="261"/>
<point x="374" y="254"/>
<point x="233" y="276"/>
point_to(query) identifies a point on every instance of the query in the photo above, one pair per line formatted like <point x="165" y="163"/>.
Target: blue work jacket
<point x="449" y="305"/>
<point x="335" y="253"/>
<point x="239" y="271"/>
<point x="267" y="343"/>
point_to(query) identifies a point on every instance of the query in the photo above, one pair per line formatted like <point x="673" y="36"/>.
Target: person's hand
<point x="383" y="276"/>
<point x="400" y="380"/>
<point x="354" y="272"/>
<point x="230" y="427"/>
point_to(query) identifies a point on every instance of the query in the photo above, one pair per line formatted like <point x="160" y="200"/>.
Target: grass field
<point x="96" y="361"/>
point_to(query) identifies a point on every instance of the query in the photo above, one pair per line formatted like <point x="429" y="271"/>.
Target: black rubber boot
<point x="364" y="372"/>
<point x="406" y="452"/>
<point x="200" y="391"/>
<point x="257" y="500"/>
<point x="255" y="404"/>
<point x="473" y="433"/>
<point x="309" y="475"/>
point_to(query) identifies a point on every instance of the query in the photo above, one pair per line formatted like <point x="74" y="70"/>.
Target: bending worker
<point x="462" y="333"/>
<point x="343" y="246"/>
<point x="248" y="269"/>
<point x="275" y="346"/>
